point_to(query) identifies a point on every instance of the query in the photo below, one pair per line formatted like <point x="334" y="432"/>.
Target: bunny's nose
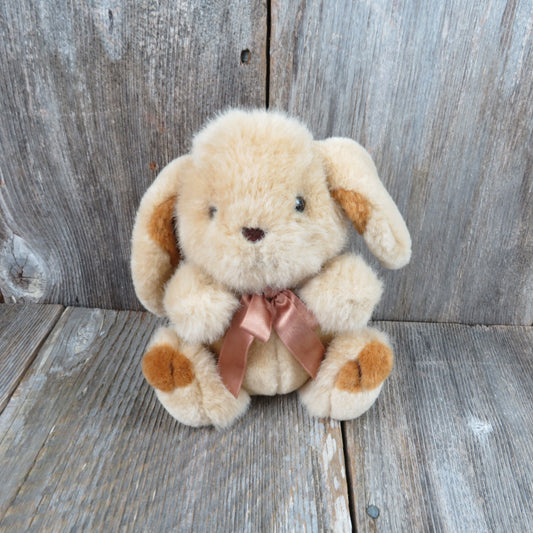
<point x="253" y="234"/>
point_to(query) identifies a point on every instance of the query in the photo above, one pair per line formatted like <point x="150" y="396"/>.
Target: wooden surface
<point x="23" y="329"/>
<point x="441" y="94"/>
<point x="96" y="98"/>
<point x="450" y="446"/>
<point x="84" y="444"/>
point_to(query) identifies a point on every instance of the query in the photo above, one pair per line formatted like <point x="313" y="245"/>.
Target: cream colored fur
<point x="149" y="264"/>
<point x="205" y="401"/>
<point x="320" y="395"/>
<point x="251" y="167"/>
<point x="351" y="167"/>
<point x="271" y="369"/>
<point x="200" y="308"/>
<point x="246" y="169"/>
<point x="343" y="296"/>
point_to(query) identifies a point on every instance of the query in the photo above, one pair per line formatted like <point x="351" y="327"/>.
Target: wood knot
<point x="23" y="273"/>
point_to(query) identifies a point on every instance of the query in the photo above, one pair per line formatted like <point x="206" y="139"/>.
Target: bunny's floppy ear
<point x="154" y="246"/>
<point x="355" y="185"/>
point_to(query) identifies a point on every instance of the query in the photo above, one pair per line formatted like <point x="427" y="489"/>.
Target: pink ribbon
<point x="256" y="317"/>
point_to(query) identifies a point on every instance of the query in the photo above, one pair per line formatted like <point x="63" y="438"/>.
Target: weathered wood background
<point x="96" y="96"/>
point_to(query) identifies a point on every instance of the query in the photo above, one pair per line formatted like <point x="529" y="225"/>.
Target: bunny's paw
<point x="351" y="376"/>
<point x="186" y="382"/>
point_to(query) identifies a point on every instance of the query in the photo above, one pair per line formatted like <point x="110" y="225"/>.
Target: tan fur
<point x="322" y="397"/>
<point x="271" y="369"/>
<point x="343" y="296"/>
<point x="356" y="207"/>
<point x="368" y="371"/>
<point x="247" y="169"/>
<point x="205" y="401"/>
<point x="151" y="265"/>
<point x="251" y="167"/>
<point x="349" y="166"/>
<point x="166" y="368"/>
<point x="198" y="306"/>
<point x="161" y="229"/>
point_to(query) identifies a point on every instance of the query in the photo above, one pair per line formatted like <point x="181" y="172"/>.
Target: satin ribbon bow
<point x="256" y="317"/>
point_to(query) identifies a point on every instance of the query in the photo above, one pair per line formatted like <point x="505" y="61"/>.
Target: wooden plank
<point x="86" y="446"/>
<point x="23" y="328"/>
<point x="96" y="98"/>
<point x="440" y="94"/>
<point x="448" y="446"/>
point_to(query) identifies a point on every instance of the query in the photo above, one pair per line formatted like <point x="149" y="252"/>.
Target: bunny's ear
<point x="154" y="246"/>
<point x="355" y="185"/>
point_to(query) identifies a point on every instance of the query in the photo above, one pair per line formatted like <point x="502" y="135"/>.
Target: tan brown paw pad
<point x="368" y="371"/>
<point x="166" y="368"/>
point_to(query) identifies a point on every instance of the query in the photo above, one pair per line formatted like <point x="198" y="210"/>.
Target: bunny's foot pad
<point x="351" y="376"/>
<point x="368" y="371"/>
<point x="166" y="368"/>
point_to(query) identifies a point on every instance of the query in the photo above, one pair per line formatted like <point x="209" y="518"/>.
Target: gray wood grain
<point x="23" y="328"/>
<point x="441" y="94"/>
<point x="96" y="98"/>
<point x="85" y="446"/>
<point x="448" y="446"/>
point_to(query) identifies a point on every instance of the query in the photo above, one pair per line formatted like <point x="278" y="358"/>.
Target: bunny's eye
<point x="212" y="211"/>
<point x="299" y="204"/>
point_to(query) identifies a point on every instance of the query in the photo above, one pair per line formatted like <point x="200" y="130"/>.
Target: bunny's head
<point x="259" y="204"/>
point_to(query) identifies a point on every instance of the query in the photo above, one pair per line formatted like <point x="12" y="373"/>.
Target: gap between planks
<point x="23" y="331"/>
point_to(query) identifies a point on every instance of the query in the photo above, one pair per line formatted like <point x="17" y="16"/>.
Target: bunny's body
<point x="258" y="205"/>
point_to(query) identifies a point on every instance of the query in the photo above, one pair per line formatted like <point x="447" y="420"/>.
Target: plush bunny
<point x="242" y="245"/>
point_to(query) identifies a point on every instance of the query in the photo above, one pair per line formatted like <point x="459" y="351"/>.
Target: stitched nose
<point x="253" y="234"/>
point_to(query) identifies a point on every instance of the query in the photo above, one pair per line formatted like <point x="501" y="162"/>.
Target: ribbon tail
<point x="295" y="325"/>
<point x="293" y="322"/>
<point x="305" y="345"/>
<point x="233" y="355"/>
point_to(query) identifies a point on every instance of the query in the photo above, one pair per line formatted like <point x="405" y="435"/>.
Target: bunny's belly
<point x="272" y="369"/>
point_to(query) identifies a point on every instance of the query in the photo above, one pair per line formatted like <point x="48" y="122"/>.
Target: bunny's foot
<point x="350" y="377"/>
<point x="186" y="382"/>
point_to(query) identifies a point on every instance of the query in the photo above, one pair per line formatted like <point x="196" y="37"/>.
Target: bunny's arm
<point x="343" y="295"/>
<point x="200" y="308"/>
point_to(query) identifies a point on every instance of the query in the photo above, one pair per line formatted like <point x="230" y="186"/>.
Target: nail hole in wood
<point x="245" y="56"/>
<point x="372" y="511"/>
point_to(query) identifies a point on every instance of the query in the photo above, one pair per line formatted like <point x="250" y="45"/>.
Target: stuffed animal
<point x="242" y="245"/>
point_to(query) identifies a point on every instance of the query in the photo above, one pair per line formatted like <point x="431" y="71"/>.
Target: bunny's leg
<point x="351" y="375"/>
<point x="187" y="383"/>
